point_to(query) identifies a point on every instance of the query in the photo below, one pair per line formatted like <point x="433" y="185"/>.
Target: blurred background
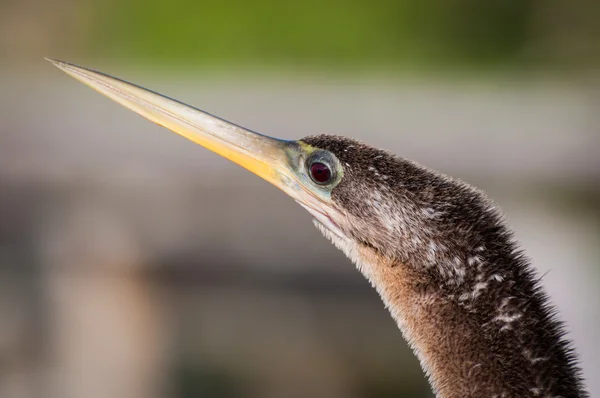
<point x="136" y="264"/>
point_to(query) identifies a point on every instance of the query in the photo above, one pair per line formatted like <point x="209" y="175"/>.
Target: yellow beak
<point x="265" y="156"/>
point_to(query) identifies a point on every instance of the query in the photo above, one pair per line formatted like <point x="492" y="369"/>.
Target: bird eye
<point x="320" y="173"/>
<point x="322" y="167"/>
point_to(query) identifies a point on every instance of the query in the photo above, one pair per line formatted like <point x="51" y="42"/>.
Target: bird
<point x="437" y="250"/>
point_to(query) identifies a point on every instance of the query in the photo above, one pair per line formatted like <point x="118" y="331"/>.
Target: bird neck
<point x="491" y="337"/>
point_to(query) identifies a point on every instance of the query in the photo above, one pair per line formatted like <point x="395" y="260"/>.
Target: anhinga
<point x="436" y="249"/>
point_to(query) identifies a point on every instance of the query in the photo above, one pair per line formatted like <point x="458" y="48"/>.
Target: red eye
<point x="320" y="173"/>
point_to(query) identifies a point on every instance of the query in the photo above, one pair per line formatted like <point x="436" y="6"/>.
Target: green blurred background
<point x="334" y="36"/>
<point x="136" y="264"/>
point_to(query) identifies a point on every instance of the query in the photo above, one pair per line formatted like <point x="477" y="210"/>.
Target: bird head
<point x="360" y="197"/>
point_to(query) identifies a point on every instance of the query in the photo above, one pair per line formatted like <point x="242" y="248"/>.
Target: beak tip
<point x="62" y="65"/>
<point x="53" y="61"/>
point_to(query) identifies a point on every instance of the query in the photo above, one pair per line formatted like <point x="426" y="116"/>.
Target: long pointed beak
<point x="265" y="156"/>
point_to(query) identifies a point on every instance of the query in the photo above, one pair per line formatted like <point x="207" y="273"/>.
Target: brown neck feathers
<point x="502" y="343"/>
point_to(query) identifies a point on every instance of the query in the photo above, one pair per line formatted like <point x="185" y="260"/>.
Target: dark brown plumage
<point x="446" y="265"/>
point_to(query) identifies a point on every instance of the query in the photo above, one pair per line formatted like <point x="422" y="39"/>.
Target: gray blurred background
<point x="136" y="264"/>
